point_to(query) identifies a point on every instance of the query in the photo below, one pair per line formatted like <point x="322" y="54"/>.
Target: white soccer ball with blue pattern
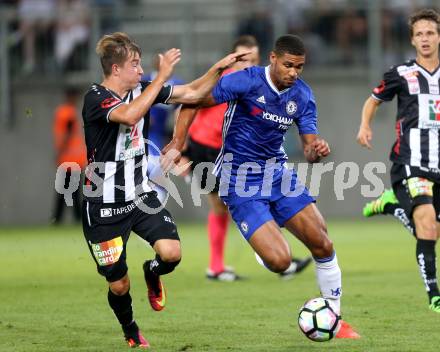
<point x="318" y="320"/>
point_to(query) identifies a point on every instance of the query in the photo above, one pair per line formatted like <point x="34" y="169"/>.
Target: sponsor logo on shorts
<point x="108" y="252"/>
<point x="106" y="212"/>
<point x="419" y="186"/>
<point x="244" y="226"/>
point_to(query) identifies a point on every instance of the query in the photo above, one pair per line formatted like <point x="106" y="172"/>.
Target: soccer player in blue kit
<point x="261" y="192"/>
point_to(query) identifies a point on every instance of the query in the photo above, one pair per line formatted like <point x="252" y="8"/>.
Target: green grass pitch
<point x="52" y="299"/>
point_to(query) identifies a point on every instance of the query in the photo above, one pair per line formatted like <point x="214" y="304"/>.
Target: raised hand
<point x="167" y="62"/>
<point x="231" y="59"/>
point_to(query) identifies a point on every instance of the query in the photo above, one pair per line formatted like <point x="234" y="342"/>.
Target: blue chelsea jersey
<point x="256" y="120"/>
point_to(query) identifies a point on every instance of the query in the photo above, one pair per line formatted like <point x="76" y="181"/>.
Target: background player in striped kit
<point x="204" y="145"/>
<point x="415" y="174"/>
<point x="118" y="199"/>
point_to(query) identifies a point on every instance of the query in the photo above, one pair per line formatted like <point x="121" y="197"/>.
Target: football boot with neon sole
<point x="156" y="290"/>
<point x="435" y="304"/>
<point x="377" y="206"/>
<point x="137" y="340"/>
<point x="347" y="332"/>
<point x="134" y="337"/>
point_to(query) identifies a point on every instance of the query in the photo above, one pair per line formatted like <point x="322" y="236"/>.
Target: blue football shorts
<point x="251" y="213"/>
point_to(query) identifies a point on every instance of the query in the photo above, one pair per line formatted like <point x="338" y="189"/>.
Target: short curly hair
<point x="425" y="14"/>
<point x="290" y="44"/>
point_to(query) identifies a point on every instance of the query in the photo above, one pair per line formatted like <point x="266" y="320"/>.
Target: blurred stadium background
<point x="349" y="44"/>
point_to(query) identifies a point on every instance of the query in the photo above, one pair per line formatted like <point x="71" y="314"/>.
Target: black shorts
<point x="203" y="158"/>
<point x="414" y="186"/>
<point x="107" y="228"/>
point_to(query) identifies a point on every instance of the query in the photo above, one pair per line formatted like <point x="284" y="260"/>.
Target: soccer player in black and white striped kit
<point x="415" y="173"/>
<point x="118" y="199"/>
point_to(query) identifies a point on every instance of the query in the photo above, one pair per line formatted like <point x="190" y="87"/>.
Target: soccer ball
<point x="318" y="320"/>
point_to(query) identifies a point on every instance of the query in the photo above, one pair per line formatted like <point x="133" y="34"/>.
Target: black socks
<point x="158" y="267"/>
<point x="400" y="214"/>
<point x="425" y="252"/>
<point x="121" y="306"/>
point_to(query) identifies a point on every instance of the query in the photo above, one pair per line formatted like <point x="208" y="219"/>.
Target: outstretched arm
<point x="131" y="113"/>
<point x="314" y="147"/>
<point x="195" y="92"/>
<point x="365" y="133"/>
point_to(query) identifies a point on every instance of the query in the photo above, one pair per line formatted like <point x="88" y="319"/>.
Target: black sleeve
<point x="164" y="94"/>
<point x="98" y="104"/>
<point x="389" y="86"/>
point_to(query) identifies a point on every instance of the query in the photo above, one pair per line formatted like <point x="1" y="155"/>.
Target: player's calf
<point x="321" y="247"/>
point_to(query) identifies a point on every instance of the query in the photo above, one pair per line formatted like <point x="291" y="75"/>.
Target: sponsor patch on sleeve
<point x="109" y="252"/>
<point x="109" y="102"/>
<point x="380" y="88"/>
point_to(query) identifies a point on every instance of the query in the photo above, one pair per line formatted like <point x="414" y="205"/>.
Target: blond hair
<point x="115" y="48"/>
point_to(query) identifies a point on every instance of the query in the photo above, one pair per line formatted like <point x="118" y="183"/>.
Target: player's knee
<point x="278" y="263"/>
<point x="171" y="254"/>
<point x="120" y="287"/>
<point x="426" y="230"/>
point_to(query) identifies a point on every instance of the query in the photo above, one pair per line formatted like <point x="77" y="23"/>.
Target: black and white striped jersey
<point x="116" y="153"/>
<point x="418" y="114"/>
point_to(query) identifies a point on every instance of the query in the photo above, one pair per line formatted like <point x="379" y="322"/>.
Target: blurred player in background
<point x="158" y="131"/>
<point x="160" y="113"/>
<point x="415" y="174"/>
<point x="204" y="145"/>
<point x="261" y="192"/>
<point x="69" y="148"/>
<point x="118" y="199"/>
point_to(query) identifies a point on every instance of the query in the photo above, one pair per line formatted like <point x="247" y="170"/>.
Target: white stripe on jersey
<point x="414" y="142"/>
<point x="108" y="187"/>
<point x="432" y="80"/>
<point x="226" y="124"/>
<point x="433" y="149"/>
<point x="145" y="186"/>
<point x="129" y="180"/>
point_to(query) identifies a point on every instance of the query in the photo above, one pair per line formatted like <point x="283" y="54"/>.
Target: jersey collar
<point x="127" y="97"/>
<point x="434" y="73"/>
<point x="271" y="84"/>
